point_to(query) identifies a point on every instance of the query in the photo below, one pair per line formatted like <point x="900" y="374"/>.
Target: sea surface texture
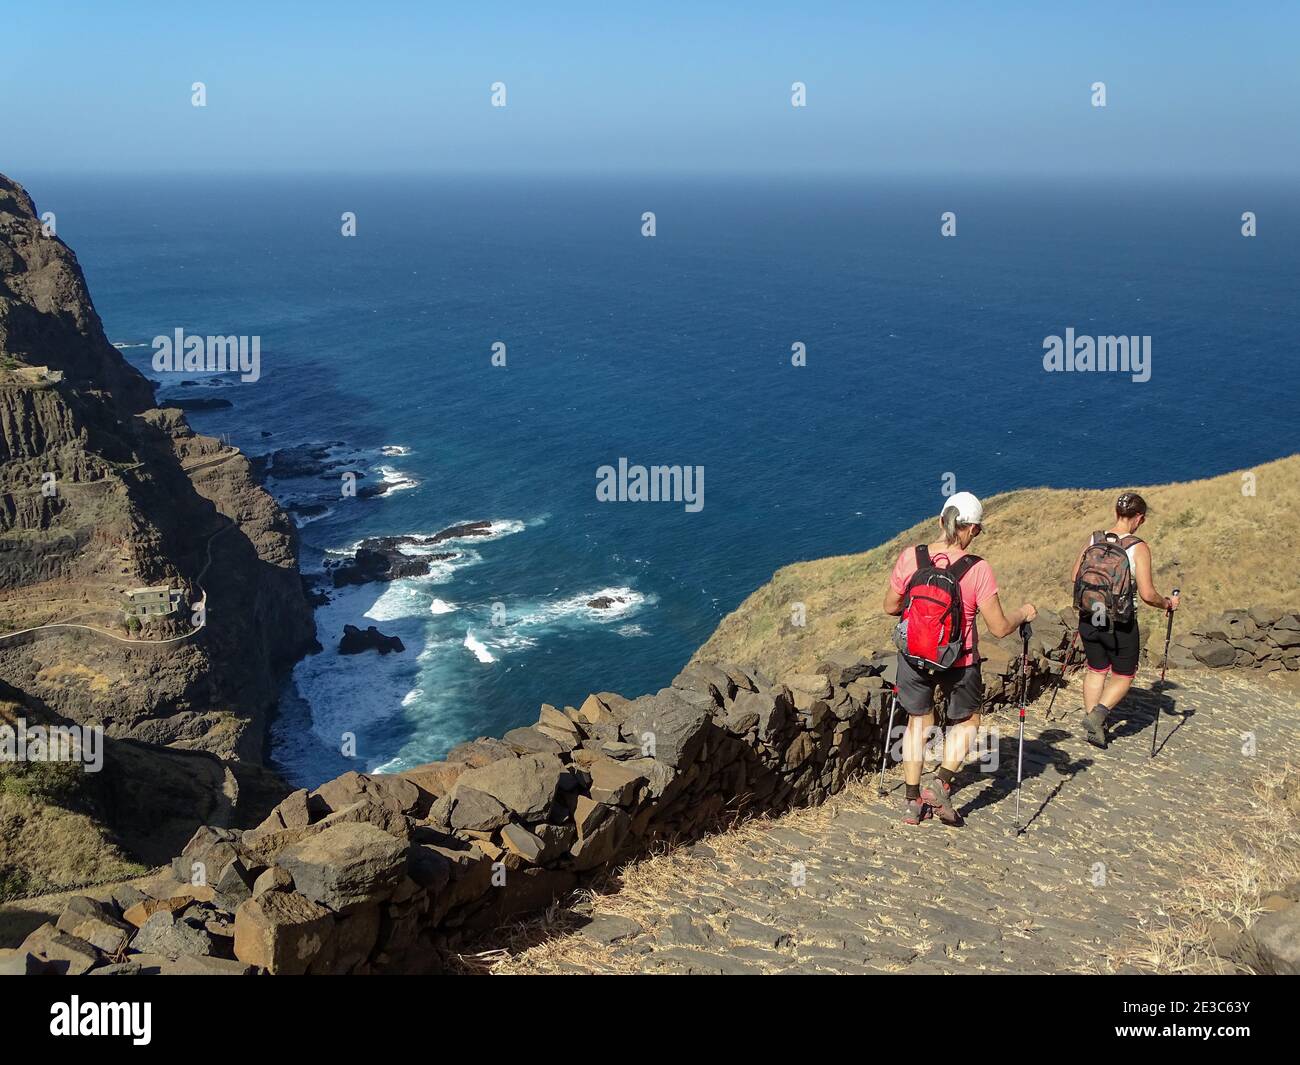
<point x="924" y="360"/>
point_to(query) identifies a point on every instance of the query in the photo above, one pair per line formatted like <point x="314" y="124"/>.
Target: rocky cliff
<point x="100" y="492"/>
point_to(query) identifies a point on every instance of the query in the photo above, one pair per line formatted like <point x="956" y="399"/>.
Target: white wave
<point x="395" y="450"/>
<point x="503" y="527"/>
<point x="441" y="570"/>
<point x="399" y="599"/>
<point x="625" y="601"/>
<point x="122" y="346"/>
<point x="497" y="528"/>
<point x="417" y="550"/>
<point x="396" y="480"/>
<point x="503" y="639"/>
<point x="527" y="625"/>
<point x="441" y="606"/>
<point x="349" y="692"/>
<point x="347" y="549"/>
<point x="478" y="648"/>
<point x="306" y="519"/>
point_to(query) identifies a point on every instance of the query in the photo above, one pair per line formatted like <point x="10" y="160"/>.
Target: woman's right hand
<point x="1028" y="612"/>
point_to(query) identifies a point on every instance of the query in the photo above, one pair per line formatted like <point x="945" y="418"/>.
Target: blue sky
<point x="899" y="87"/>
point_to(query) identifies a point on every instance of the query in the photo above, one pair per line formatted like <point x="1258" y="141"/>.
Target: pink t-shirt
<point x="977" y="585"/>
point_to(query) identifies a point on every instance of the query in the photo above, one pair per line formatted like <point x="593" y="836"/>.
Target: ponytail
<point x="948" y="519"/>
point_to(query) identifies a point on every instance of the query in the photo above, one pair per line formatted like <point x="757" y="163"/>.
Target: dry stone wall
<point x="390" y="873"/>
<point x="1263" y="638"/>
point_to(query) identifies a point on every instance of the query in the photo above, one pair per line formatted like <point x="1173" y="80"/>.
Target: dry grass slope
<point x="50" y="837"/>
<point x="1206" y="536"/>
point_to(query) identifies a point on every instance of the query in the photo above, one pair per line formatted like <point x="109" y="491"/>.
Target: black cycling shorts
<point x="1111" y="651"/>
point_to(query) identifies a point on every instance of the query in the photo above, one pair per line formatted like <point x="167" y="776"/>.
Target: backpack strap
<point x="1099" y="537"/>
<point x="958" y="570"/>
<point x="964" y="565"/>
<point x="922" y="556"/>
<point x="1128" y="541"/>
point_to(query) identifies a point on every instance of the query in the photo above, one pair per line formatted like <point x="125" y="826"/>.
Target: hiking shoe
<point x="1094" y="726"/>
<point x="936" y="796"/>
<point x="915" y="811"/>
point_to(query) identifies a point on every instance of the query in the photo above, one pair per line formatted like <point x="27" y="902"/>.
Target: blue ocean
<point x="924" y="356"/>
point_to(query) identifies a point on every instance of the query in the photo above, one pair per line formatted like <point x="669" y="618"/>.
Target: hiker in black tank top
<point x="1112" y="644"/>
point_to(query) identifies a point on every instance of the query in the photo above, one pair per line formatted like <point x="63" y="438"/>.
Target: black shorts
<point x="1115" y="651"/>
<point x="962" y="686"/>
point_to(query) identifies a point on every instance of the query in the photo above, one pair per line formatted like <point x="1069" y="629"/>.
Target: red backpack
<point x="930" y="634"/>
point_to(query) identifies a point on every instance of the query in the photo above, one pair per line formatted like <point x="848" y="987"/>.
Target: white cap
<point x="970" y="511"/>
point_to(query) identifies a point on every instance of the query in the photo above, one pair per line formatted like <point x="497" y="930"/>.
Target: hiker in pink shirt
<point x="941" y="650"/>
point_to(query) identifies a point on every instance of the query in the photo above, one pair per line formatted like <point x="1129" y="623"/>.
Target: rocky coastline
<point x="103" y="491"/>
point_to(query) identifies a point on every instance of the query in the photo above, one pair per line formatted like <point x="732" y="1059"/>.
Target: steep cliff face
<point x="100" y="492"/>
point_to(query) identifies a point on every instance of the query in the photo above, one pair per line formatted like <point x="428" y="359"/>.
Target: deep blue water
<point x="924" y="356"/>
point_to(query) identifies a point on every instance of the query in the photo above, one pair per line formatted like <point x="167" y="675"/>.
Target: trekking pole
<point x="1169" y="631"/>
<point x="1025" y="632"/>
<point x="884" y="747"/>
<point x="1065" y="672"/>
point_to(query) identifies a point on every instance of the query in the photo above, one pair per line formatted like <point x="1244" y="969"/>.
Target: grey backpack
<point x="1104" y="587"/>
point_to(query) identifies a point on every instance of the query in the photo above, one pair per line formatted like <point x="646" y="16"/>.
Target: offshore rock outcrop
<point x="381" y="558"/>
<point x="102" y="491"/>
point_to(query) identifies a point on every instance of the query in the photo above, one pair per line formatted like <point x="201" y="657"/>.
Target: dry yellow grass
<point x="1226" y="882"/>
<point x="1221" y="546"/>
<point x="45" y="847"/>
<point x="52" y="834"/>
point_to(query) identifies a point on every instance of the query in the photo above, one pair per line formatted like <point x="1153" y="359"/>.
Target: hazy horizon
<point x="940" y="88"/>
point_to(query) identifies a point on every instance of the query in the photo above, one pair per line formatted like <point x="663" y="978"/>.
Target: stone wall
<point x="384" y="873"/>
<point x="1263" y="638"/>
<point x="387" y="873"/>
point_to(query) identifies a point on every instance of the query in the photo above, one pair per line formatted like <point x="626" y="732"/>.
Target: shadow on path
<point x="1040" y="753"/>
<point x="1141" y="709"/>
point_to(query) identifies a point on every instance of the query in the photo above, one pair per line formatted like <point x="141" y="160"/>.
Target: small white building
<point x="150" y="602"/>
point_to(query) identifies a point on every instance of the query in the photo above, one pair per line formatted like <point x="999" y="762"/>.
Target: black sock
<point x="913" y="791"/>
<point x="945" y="775"/>
<point x="1105" y="710"/>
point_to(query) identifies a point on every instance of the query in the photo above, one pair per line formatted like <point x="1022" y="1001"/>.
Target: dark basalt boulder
<point x="381" y="558"/>
<point x="305" y="460"/>
<point x="383" y="564"/>
<point x="356" y="640"/>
